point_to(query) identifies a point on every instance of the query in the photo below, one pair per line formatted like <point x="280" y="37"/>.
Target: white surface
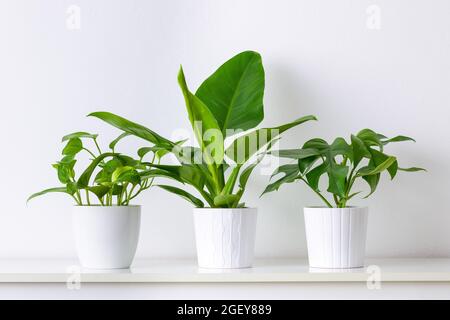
<point x="225" y="238"/>
<point x="336" y="237"/>
<point x="106" y="237"/>
<point x="320" y="58"/>
<point x="179" y="271"/>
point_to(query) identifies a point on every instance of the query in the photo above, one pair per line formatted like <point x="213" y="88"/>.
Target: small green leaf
<point x="277" y="184"/>
<point x="186" y="195"/>
<point x="73" y="147"/>
<point x="79" y="135"/>
<point x="398" y="139"/>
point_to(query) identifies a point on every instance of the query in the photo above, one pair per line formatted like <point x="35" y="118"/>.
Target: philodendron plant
<point x="226" y="104"/>
<point x="343" y="163"/>
<point x="117" y="178"/>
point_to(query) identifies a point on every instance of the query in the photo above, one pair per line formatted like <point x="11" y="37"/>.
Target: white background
<point x="320" y="58"/>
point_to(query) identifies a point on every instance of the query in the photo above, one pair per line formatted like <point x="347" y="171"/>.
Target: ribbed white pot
<point x="336" y="237"/>
<point x="225" y="238"/>
<point x="106" y="237"/>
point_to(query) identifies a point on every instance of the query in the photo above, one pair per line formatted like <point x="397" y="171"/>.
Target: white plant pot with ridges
<point x="106" y="237"/>
<point x="225" y="238"/>
<point x="336" y="237"/>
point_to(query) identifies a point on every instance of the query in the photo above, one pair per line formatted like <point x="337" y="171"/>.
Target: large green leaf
<point x="234" y="93"/>
<point x="50" y="190"/>
<point x="313" y="176"/>
<point x="369" y="170"/>
<point x="244" y="147"/>
<point x="186" y="195"/>
<point x="83" y="181"/>
<point x="203" y="123"/>
<point x="133" y="128"/>
<point x="336" y="178"/>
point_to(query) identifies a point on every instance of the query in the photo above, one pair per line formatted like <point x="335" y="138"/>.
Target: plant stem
<point x="318" y="193"/>
<point x="98" y="147"/>
<point x="87" y="197"/>
<point x="90" y="152"/>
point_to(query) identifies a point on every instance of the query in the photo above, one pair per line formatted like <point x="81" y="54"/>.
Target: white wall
<point x="320" y="58"/>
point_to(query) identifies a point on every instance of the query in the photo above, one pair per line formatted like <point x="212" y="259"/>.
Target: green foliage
<point x="342" y="163"/>
<point x="118" y="178"/>
<point x="226" y="104"/>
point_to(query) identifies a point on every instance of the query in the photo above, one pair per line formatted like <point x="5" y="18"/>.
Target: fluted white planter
<point x="336" y="237"/>
<point x="106" y="237"/>
<point x="225" y="238"/>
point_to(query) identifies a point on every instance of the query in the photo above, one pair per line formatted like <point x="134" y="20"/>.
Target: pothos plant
<point x="110" y="178"/>
<point x="226" y="104"/>
<point x="343" y="163"/>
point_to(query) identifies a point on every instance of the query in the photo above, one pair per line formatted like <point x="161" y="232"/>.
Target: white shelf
<point x="186" y="271"/>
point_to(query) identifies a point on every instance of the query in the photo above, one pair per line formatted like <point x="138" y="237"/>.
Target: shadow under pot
<point x="225" y="238"/>
<point x="336" y="237"/>
<point x="106" y="237"/>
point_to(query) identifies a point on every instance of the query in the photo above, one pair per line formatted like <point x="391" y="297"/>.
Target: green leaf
<point x="73" y="147"/>
<point x="201" y="118"/>
<point x="368" y="171"/>
<point x="231" y="181"/>
<point x="133" y="128"/>
<point x="99" y="191"/>
<point x="126" y="174"/>
<point x="412" y="169"/>
<point x="316" y="143"/>
<point x="186" y="195"/>
<point x="83" y="181"/>
<point x="313" y="176"/>
<point x="295" y="153"/>
<point x="227" y="200"/>
<point x="341" y="147"/>
<point x="370" y="138"/>
<point x="277" y="184"/>
<point x="359" y="150"/>
<point x="336" y="178"/>
<point x="372" y="180"/>
<point x="79" y="135"/>
<point x="51" y="190"/>
<point x="244" y="147"/>
<point x="234" y="93"/>
<point x="286" y="169"/>
<point x="113" y="143"/>
<point x="398" y="139"/>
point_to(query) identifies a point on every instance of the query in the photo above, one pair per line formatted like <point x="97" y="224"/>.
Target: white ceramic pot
<point x="106" y="237"/>
<point x="225" y="238"/>
<point x="336" y="237"/>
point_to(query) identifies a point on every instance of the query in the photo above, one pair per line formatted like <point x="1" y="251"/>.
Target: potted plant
<point x="225" y="105"/>
<point x="336" y="234"/>
<point x="106" y="226"/>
